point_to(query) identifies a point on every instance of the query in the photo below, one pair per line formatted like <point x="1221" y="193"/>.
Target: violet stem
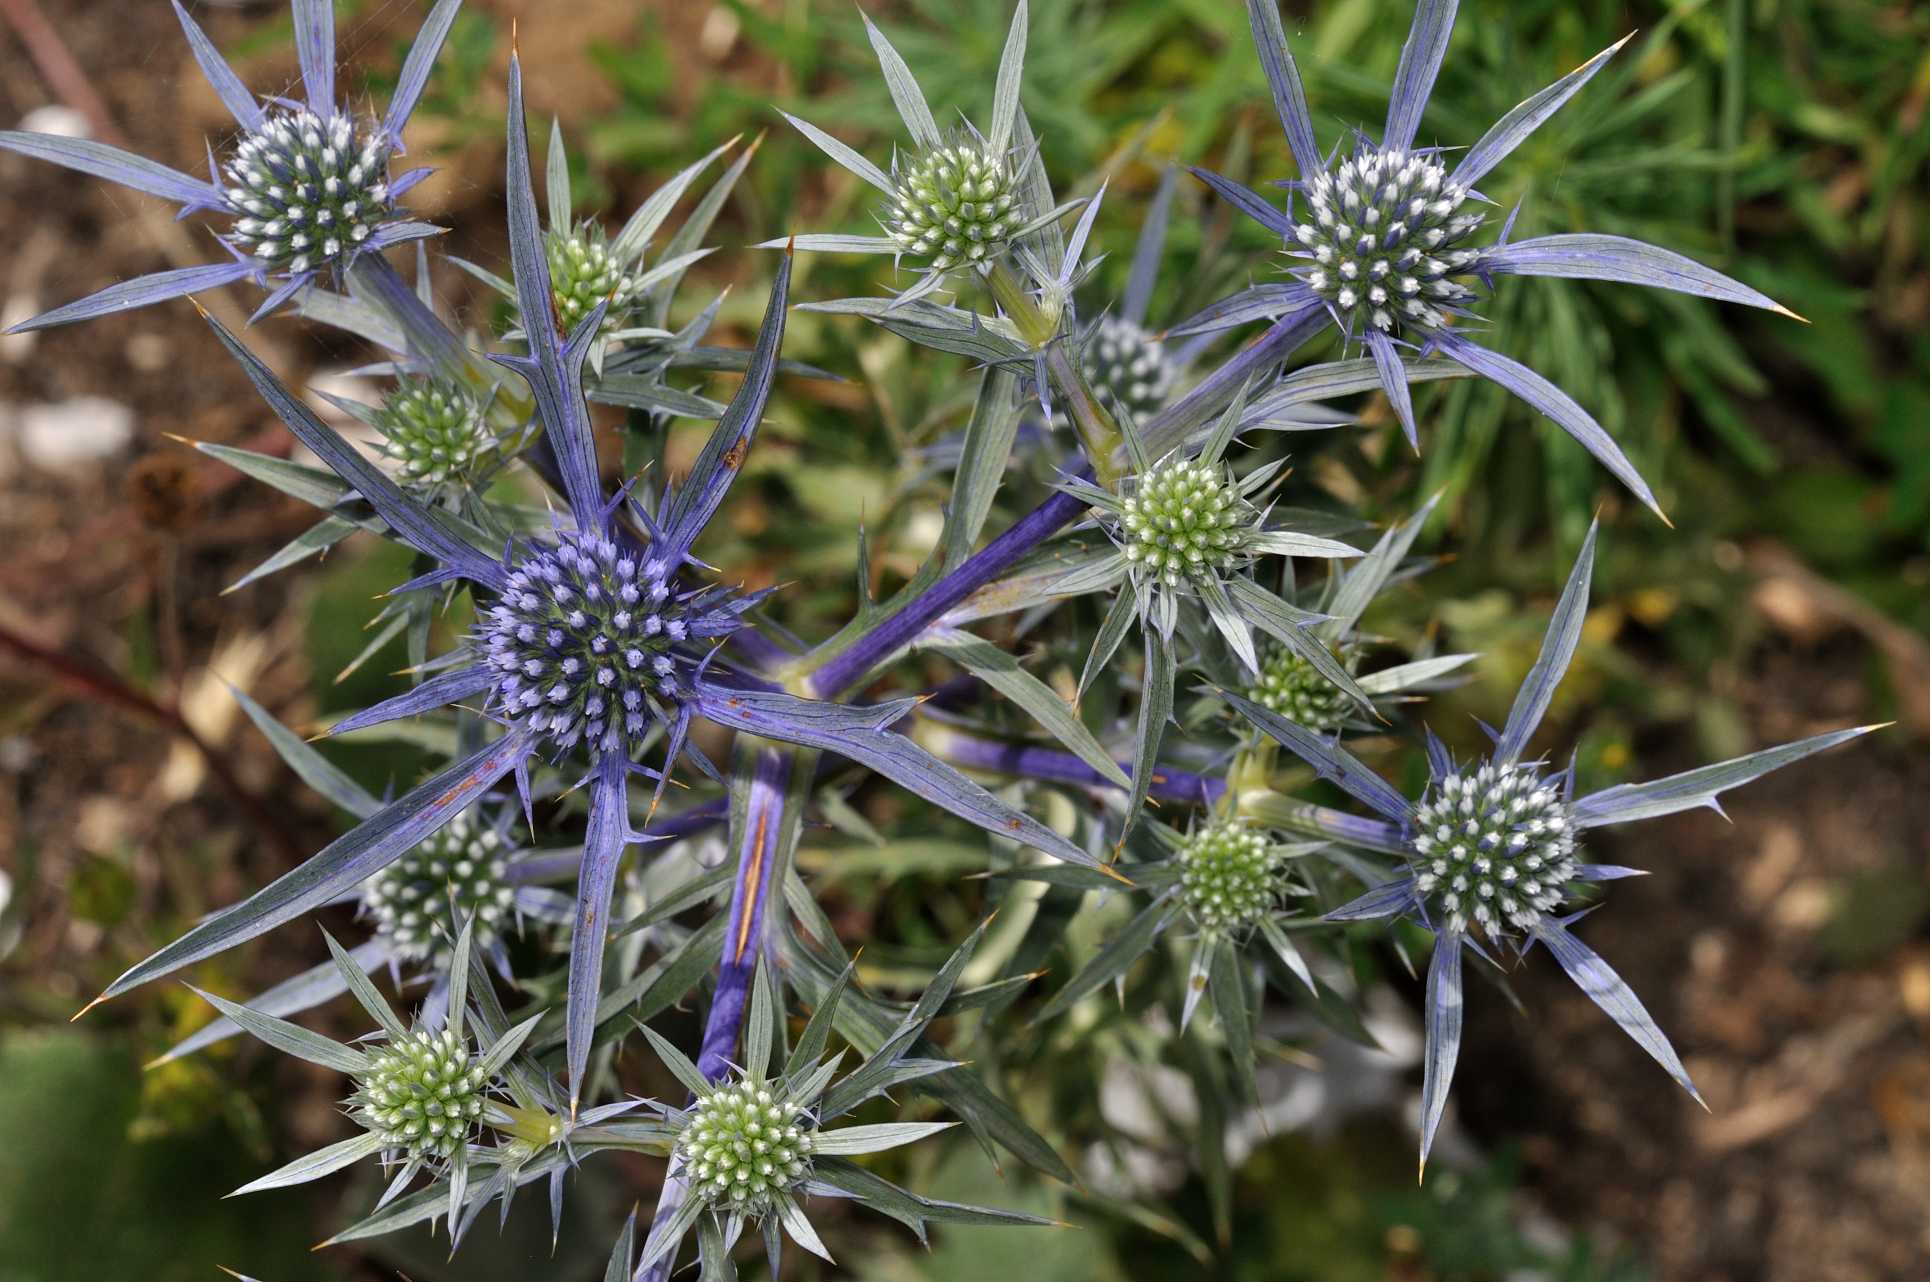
<point x="1030" y="761"/>
<point x="843" y="671"/>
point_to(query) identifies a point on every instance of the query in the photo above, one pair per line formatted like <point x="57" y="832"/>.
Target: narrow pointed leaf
<point x="315" y="49"/>
<point x="306" y="991"/>
<point x="555" y="373"/>
<point x="313" y="1166"/>
<point x="356" y="980"/>
<point x="1329" y="760"/>
<point x="905" y="93"/>
<point x="290" y="1039"/>
<point x="1427" y="41"/>
<point x="227" y="85"/>
<point x="730" y="441"/>
<point x="341" y="865"/>
<point x="875" y="1139"/>
<point x="436" y="692"/>
<point x="852" y="161"/>
<point x="1557" y="649"/>
<point x="1550" y="400"/>
<point x="310" y="766"/>
<point x="142" y="291"/>
<point x="1249" y="202"/>
<point x="1283" y="81"/>
<point x="1002" y="672"/>
<point x="1113" y="959"/>
<point x="1625" y="803"/>
<point x="603" y="845"/>
<point x="1527" y="116"/>
<point x="428" y="530"/>
<point x="1393" y="380"/>
<point x="1005" y="97"/>
<point x="1591" y="256"/>
<point x="1606" y="989"/>
<point x="115" y="165"/>
<point x="1443" y="1027"/>
<point x="414" y="77"/>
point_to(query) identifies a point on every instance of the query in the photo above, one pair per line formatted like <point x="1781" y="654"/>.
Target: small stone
<point x="74" y="435"/>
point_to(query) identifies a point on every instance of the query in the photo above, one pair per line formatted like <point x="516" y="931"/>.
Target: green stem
<point x="1099" y="435"/>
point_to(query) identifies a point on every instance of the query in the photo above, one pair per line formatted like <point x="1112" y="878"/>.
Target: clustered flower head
<point x="584" y="641"/>
<point x="1385" y="239"/>
<point x="584" y="272"/>
<point x="744" y="1144"/>
<point x="423" y="1094"/>
<point x="435" y="431"/>
<point x="1186" y="519"/>
<point x="308" y="190"/>
<point x="956" y="204"/>
<point x="420" y="901"/>
<point x="1291" y="686"/>
<point x="1129" y="370"/>
<point x="1493" y="846"/>
<point x="1230" y="875"/>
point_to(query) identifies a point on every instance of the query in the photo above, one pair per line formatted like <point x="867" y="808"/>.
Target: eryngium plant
<point x="621" y="716"/>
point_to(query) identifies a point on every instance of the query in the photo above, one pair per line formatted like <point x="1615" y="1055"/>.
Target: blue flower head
<point x="1493" y="850"/>
<point x="305" y="187"/>
<point x="1383" y="238"/>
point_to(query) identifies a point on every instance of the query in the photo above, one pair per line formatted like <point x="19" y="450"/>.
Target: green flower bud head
<point x="583" y="273"/>
<point x="308" y="190"/>
<point x="956" y="205"/>
<point x="1230" y="876"/>
<point x="742" y="1145"/>
<point x="422" y="1094"/>
<point x="421" y="901"/>
<point x="1494" y="846"/>
<point x="1385" y="241"/>
<point x="1290" y="686"/>
<point x="1127" y="367"/>
<point x="1185" y="520"/>
<point x="434" y="431"/>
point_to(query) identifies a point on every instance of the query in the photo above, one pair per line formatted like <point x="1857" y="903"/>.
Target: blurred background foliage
<point x="1783" y="141"/>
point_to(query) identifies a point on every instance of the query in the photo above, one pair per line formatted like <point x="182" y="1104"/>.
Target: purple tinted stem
<point x="969" y="752"/>
<point x="1188" y="415"/>
<point x="744" y="929"/>
<point x="846" y="670"/>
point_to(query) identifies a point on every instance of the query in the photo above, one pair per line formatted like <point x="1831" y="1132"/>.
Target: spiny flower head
<point x="956" y="204"/>
<point x="1384" y="241"/>
<point x="460" y="873"/>
<point x="1494" y="846"/>
<point x="743" y="1145"/>
<point x="1186" y="519"/>
<point x="589" y="639"/>
<point x="422" y="1093"/>
<point x="1128" y="369"/>
<point x="1290" y="686"/>
<point x="583" y="273"/>
<point x="435" y="432"/>
<point x="1230" y="876"/>
<point x="307" y="190"/>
